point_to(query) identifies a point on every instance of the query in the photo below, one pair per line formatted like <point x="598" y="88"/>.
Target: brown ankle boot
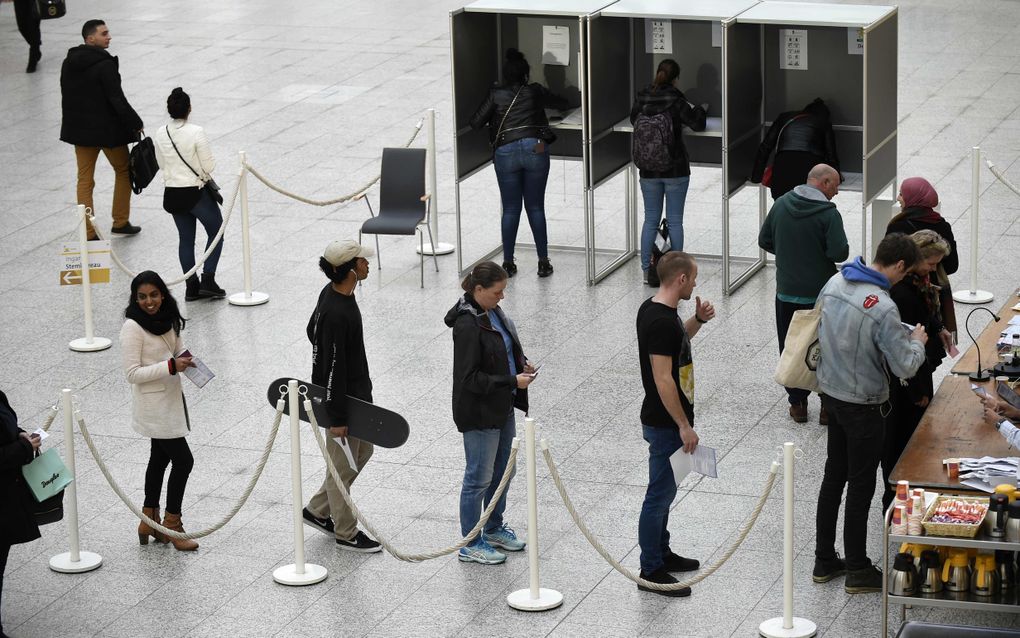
<point x="145" y="530"/>
<point x="173" y="521"/>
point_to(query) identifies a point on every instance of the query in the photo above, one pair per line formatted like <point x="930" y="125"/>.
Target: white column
<point x="248" y="297"/>
<point x="74" y="561"/>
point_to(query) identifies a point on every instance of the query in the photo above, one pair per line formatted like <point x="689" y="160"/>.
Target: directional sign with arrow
<point x="99" y="263"/>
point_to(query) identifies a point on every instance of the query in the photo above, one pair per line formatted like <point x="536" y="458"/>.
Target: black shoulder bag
<point x="209" y="185"/>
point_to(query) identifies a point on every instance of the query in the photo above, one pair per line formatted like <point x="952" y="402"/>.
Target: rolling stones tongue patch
<point x="870" y="301"/>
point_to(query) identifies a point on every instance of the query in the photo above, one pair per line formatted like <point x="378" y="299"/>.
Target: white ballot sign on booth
<point x="99" y="263"/>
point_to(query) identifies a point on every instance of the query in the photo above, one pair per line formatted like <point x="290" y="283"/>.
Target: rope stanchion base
<point x="289" y="575"/>
<point x="441" y="248"/>
<point x="547" y="599"/>
<point x="248" y="299"/>
<point x="973" y="296"/>
<point x="773" y="628"/>
<point x="87" y="561"/>
<point x="95" y="344"/>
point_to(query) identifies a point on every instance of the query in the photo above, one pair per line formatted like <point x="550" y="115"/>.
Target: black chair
<point x="403" y="203"/>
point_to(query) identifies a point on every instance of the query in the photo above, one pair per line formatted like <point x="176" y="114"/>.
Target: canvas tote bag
<point x="798" y="365"/>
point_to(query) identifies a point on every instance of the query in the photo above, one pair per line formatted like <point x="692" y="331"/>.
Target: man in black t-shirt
<point x="667" y="413"/>
<point x="339" y="364"/>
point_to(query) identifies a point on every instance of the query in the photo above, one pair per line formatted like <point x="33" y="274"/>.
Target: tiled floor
<point x="312" y="92"/>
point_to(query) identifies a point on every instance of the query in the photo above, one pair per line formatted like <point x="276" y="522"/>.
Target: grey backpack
<point x="652" y="142"/>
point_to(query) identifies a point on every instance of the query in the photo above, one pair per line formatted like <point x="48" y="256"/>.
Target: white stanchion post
<point x="90" y="342"/>
<point x="74" y="561"/>
<point x="248" y="297"/>
<point x="788" y="626"/>
<point x="974" y="296"/>
<point x="534" y="598"/>
<point x="440" y="248"/>
<point x="300" y="572"/>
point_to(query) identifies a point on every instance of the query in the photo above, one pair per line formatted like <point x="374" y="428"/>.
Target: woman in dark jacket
<point x="490" y="379"/>
<point x="917" y="299"/>
<point x="669" y="181"/>
<point x="17" y="525"/>
<point x="918" y="199"/>
<point x="520" y="136"/>
<point x="802" y="139"/>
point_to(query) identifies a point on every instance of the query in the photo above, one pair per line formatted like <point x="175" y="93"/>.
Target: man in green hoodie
<point x="804" y="230"/>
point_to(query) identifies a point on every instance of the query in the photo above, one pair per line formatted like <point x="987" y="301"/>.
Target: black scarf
<point x="158" y="324"/>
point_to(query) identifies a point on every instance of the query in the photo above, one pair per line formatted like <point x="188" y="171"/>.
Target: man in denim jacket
<point x="861" y="340"/>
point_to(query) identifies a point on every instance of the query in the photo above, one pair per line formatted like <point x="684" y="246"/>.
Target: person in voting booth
<point x="153" y="356"/>
<point x="918" y="200"/>
<point x="659" y="113"/>
<point x="491" y="376"/>
<point x="520" y="136"/>
<point x="917" y="298"/>
<point x="801" y="140"/>
<point x="17" y="525"/>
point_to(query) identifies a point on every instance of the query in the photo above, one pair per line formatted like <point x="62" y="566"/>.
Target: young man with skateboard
<point x="339" y="364"/>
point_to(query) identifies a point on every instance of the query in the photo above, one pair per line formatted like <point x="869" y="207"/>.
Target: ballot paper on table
<point x="702" y="461"/>
<point x="342" y="442"/>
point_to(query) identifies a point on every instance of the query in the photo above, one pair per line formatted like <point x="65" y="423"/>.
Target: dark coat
<point x="801" y="140"/>
<point x="524" y="117"/>
<point x="483" y="388"/>
<point x="17" y="525"/>
<point x="95" y="111"/>
<point x="652" y="101"/>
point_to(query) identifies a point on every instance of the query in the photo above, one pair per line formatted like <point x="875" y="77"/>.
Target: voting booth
<point x="629" y="39"/>
<point x="794" y="52"/>
<point x="552" y="35"/>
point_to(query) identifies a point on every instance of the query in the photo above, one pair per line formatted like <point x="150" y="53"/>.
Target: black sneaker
<point x="863" y="581"/>
<point x="360" y="543"/>
<point x="510" y="268"/>
<point x="674" y="563"/>
<point x="126" y="229"/>
<point x="324" y="525"/>
<point x="662" y="577"/>
<point x="826" y="570"/>
<point x="544" y="267"/>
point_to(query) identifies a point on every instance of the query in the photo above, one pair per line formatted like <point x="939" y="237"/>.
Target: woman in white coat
<point x="151" y="351"/>
<point x="183" y="153"/>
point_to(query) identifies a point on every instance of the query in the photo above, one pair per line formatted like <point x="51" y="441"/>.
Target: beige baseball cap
<point x="343" y="250"/>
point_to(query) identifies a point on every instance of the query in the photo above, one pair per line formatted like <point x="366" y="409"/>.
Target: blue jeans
<point x="653" y="535"/>
<point x="486" y="452"/>
<point x="207" y="212"/>
<point x="522" y="174"/>
<point x="653" y="189"/>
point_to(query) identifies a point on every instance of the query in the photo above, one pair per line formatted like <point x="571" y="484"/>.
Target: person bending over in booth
<point x="801" y="139"/>
<point x="340" y="365"/>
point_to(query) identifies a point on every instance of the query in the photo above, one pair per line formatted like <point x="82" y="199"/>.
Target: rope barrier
<point x="198" y="264"/>
<point x="326" y="202"/>
<point x="396" y="553"/>
<point x="155" y="525"/>
<point x="48" y="421"/>
<point x="1002" y="178"/>
<point x="708" y="571"/>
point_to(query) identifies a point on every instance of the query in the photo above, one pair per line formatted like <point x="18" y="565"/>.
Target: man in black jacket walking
<point x="97" y="117"/>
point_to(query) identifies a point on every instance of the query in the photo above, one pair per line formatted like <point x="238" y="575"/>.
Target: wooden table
<point x="952" y="426"/>
<point x="986" y="340"/>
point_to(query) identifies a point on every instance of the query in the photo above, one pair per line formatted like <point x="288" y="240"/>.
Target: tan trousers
<point x="118" y="158"/>
<point x="345" y="525"/>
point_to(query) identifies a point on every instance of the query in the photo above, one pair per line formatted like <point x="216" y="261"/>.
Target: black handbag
<point x="209" y="185"/>
<point x="50" y="510"/>
<point x="49" y="9"/>
<point x="659" y="248"/>
<point x="142" y="165"/>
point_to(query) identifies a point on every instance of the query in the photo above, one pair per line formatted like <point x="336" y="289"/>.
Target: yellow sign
<point x="73" y="277"/>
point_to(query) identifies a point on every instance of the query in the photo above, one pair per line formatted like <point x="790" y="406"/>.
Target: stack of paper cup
<point x="902" y="492"/>
<point x="915" y="512"/>
<point x="899" y="520"/>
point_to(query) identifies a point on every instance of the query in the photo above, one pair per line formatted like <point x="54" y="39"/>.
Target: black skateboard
<point x="365" y="421"/>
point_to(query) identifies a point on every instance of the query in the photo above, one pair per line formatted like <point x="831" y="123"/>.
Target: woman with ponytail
<point x="520" y="137"/>
<point x="661" y="111"/>
<point x="183" y="152"/>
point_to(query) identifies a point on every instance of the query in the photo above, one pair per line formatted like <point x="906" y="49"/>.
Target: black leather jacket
<point x="803" y="132"/>
<point x="526" y="118"/>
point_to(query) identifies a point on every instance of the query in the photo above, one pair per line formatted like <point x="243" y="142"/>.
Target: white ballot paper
<point x="702" y="461"/>
<point x="555" y="45"/>
<point x="199" y="373"/>
<point x="342" y="442"/>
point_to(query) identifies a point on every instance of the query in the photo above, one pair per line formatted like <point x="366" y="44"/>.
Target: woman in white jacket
<point x="182" y="151"/>
<point x="152" y="355"/>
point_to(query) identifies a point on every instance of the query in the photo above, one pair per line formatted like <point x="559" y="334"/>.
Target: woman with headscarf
<point x="918" y="200"/>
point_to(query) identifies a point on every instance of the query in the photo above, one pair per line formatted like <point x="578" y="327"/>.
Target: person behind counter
<point x="520" y="136"/>
<point x="1002" y="416"/>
